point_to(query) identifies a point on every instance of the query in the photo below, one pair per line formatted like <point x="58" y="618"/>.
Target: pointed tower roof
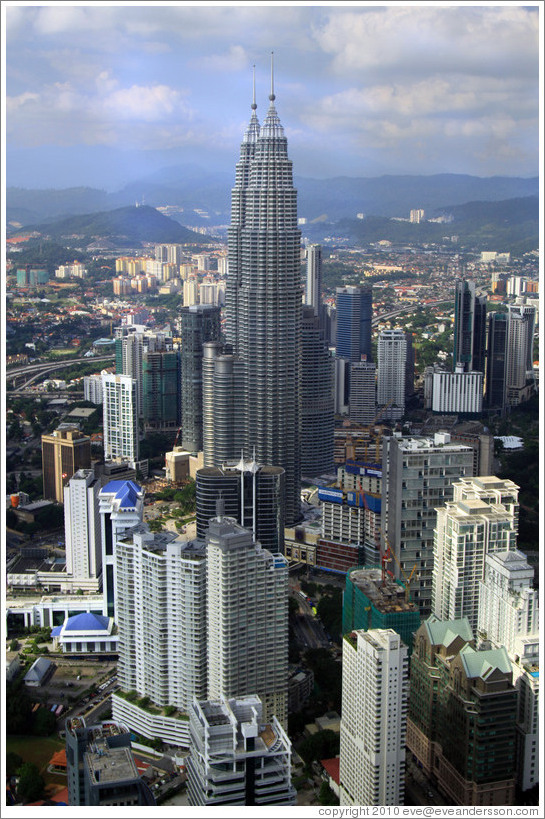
<point x="252" y="132"/>
<point x="272" y="126"/>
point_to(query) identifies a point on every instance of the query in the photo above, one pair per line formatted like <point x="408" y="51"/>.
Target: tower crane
<point x="407" y="578"/>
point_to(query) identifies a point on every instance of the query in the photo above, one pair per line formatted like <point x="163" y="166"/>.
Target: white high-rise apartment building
<point x="120" y="417"/>
<point x="247" y="618"/>
<point x="82" y="530"/>
<point x="392" y="359"/>
<point x="237" y="756"/>
<point x="191" y="292"/>
<point x="509" y="616"/>
<point x="508" y="604"/>
<point x="121" y="506"/>
<point x="161" y="619"/>
<point x="374" y="718"/>
<point x="519" y="356"/>
<point x="481" y="518"/>
<point x="92" y="389"/>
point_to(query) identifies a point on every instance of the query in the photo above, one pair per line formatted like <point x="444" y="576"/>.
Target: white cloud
<point x="236" y="59"/>
<point x="143" y="102"/>
<point x="13" y="103"/>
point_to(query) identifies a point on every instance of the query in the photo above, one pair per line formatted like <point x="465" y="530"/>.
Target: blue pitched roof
<point x="125" y="491"/>
<point x="55" y="632"/>
<point x="87" y="621"/>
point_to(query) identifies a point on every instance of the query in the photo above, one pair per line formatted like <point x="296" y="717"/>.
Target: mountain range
<point x="195" y="190"/>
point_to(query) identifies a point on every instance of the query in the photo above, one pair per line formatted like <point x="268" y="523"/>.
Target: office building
<point x="247" y="620"/>
<point x="313" y="287"/>
<point x="374" y="718"/>
<point x="132" y="342"/>
<point x="82" y="530"/>
<point x="121" y="506"/>
<point x="100" y="767"/>
<point x="417" y="478"/>
<point x="462" y="715"/>
<point x="519" y="374"/>
<point x="317" y="411"/>
<point x="373" y="599"/>
<point x="264" y="300"/>
<point x="495" y="396"/>
<point x="64" y="451"/>
<point x="469" y="327"/>
<point x="120" y="417"/>
<point x="354" y="315"/>
<point x="198" y="324"/>
<point x="252" y="494"/>
<point x="480" y="519"/>
<point x="161" y="620"/>
<point x="161" y="391"/>
<point x="457" y="393"/>
<point x="223" y="408"/>
<point x="363" y="392"/>
<point x="509" y="616"/>
<point x="351" y="518"/>
<point x="237" y="756"/>
<point x="391" y="375"/>
<point x="92" y="389"/>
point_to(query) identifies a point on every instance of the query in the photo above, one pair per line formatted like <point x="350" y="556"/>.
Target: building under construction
<point x="374" y="599"/>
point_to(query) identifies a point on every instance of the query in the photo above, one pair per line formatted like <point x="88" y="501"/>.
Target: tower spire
<point x="271" y="95"/>
<point x="254" y="104"/>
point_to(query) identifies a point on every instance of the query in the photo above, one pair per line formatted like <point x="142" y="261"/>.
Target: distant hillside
<point x="191" y="187"/>
<point x="510" y="226"/>
<point x="120" y="227"/>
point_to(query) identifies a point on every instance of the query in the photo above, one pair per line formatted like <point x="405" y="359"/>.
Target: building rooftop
<point x="386" y="597"/>
<point x="483" y="663"/>
<point x="444" y="632"/>
<point x="109" y="765"/>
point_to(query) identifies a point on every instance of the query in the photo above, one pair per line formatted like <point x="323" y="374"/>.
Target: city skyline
<point x="103" y="95"/>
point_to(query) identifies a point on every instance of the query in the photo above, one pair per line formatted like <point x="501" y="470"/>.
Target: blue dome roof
<point x="87" y="621"/>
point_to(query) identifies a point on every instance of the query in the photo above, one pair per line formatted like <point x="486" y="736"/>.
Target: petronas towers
<point x="263" y="308"/>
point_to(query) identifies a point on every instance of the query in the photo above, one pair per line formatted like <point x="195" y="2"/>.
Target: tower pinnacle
<point x="254" y="104"/>
<point x="271" y="95"/>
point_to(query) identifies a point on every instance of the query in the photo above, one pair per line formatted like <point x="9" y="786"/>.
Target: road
<point x="34" y="371"/>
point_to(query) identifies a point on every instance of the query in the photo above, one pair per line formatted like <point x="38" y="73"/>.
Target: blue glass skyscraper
<point x="354" y="315"/>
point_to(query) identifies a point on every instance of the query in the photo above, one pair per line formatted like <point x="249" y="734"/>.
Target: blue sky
<point x="101" y="94"/>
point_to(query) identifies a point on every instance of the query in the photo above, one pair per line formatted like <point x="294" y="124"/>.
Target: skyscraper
<point x="247" y="589"/>
<point x="363" y="392"/>
<point x="237" y="757"/>
<point x="354" y="316"/>
<point x="121" y="438"/>
<point x="469" y="327"/>
<point x="198" y="324"/>
<point x="417" y="477"/>
<point x="82" y="529"/>
<point x="264" y="299"/>
<point x="496" y="361"/>
<point x="63" y="453"/>
<point x="374" y="718"/>
<point x="391" y="378"/>
<point x="317" y="415"/>
<point x="161" y="391"/>
<point x="313" y="288"/>
<point x="481" y="519"/>
<point x="251" y="493"/>
<point x="519" y="354"/>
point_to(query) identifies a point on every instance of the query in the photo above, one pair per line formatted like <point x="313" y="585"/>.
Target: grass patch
<point x="38" y="750"/>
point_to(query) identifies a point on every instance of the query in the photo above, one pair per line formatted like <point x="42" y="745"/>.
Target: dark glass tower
<point x="252" y="494"/>
<point x="317" y="411"/>
<point x="469" y="327"/>
<point x="496" y="364"/>
<point x="199" y="323"/>
<point x="354" y="317"/>
<point x="264" y="300"/>
<point x="161" y="391"/>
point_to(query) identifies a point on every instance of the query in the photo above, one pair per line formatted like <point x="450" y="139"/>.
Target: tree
<point x="326" y="796"/>
<point x="31" y="785"/>
<point x="13" y="763"/>
<point x="44" y="722"/>
<point x="321" y="745"/>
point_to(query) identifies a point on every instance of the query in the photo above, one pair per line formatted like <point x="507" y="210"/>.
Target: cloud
<point x="431" y="38"/>
<point x="147" y="103"/>
<point x="236" y="59"/>
<point x="13" y="103"/>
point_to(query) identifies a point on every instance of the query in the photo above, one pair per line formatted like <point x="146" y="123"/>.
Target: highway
<point x="37" y="370"/>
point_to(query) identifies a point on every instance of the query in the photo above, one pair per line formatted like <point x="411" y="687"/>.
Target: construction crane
<point x="407" y="578"/>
